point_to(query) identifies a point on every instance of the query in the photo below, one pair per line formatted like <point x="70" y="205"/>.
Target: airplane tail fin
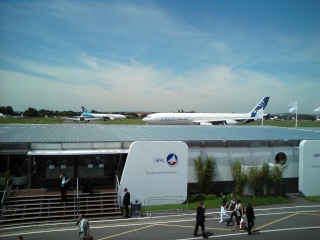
<point x="258" y="109"/>
<point x="85" y="112"/>
<point x="84" y="109"/>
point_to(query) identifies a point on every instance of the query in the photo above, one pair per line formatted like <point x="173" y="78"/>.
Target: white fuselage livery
<point x="197" y="118"/>
<point x="208" y="118"/>
<point x="105" y="116"/>
<point x="109" y="116"/>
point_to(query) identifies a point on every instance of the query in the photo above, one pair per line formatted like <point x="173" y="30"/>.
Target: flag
<point x="293" y="106"/>
<point x="317" y="109"/>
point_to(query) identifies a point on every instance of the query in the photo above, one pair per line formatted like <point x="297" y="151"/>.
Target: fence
<point x="6" y="194"/>
<point x="166" y="206"/>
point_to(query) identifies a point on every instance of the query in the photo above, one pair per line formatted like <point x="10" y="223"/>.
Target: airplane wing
<point x="234" y="121"/>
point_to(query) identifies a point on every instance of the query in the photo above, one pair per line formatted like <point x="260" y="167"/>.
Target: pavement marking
<point x="266" y="209"/>
<point x="188" y="215"/>
<point x="123" y="233"/>
<point x="69" y="228"/>
<point x="273" y="222"/>
<point x="264" y="231"/>
<point x="182" y="226"/>
<point x="309" y="214"/>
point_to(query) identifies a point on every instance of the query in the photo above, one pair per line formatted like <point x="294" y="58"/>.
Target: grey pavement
<point x="279" y="221"/>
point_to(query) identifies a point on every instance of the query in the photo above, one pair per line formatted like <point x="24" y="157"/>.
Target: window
<point x="281" y="158"/>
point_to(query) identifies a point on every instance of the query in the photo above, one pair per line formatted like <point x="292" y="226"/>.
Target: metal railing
<point x="6" y="193"/>
<point x="118" y="191"/>
<point x="166" y="205"/>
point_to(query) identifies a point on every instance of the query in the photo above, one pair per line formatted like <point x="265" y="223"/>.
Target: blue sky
<point x="159" y="55"/>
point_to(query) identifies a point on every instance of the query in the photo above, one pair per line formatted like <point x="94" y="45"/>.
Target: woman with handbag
<point x="237" y="220"/>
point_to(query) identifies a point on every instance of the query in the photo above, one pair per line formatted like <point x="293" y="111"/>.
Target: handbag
<point x="242" y="224"/>
<point x="88" y="238"/>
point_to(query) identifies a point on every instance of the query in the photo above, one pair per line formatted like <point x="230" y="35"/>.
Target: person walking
<point x="200" y="218"/>
<point x="84" y="229"/>
<point x="250" y="217"/>
<point x="237" y="219"/>
<point x="64" y="181"/>
<point x="232" y="206"/>
<point x="224" y="206"/>
<point x="126" y="202"/>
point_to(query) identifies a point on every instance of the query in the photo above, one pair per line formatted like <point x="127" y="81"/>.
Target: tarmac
<point x="295" y="220"/>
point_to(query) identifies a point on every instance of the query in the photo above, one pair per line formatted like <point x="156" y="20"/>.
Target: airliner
<point x="208" y="118"/>
<point x="82" y="118"/>
<point x="105" y="116"/>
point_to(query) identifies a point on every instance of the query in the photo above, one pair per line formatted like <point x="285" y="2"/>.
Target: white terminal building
<point x="153" y="161"/>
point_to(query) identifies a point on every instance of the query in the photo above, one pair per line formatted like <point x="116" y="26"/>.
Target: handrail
<point x="177" y="204"/>
<point x="118" y="190"/>
<point x="6" y="193"/>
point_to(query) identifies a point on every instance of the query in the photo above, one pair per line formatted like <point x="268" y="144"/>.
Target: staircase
<point x="44" y="206"/>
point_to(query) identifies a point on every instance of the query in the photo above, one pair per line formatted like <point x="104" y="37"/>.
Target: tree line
<point x="32" y="112"/>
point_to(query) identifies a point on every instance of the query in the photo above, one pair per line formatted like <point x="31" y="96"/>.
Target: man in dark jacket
<point x="232" y="206"/>
<point x="200" y="220"/>
<point x="250" y="217"/>
<point x="64" y="182"/>
<point x="126" y="202"/>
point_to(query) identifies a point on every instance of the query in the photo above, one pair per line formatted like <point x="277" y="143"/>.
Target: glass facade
<point x="46" y="169"/>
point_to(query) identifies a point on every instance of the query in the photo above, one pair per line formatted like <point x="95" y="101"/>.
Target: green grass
<point x="31" y="120"/>
<point x="313" y="198"/>
<point x="129" y="121"/>
<point x="138" y="121"/>
<point x="285" y="123"/>
<point x="212" y="201"/>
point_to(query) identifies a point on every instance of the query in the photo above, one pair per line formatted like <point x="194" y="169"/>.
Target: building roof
<point x="78" y="133"/>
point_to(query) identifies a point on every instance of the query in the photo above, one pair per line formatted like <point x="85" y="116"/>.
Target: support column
<point x="29" y="171"/>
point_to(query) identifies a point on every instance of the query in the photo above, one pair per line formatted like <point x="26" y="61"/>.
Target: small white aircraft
<point x="208" y="118"/>
<point x="104" y="116"/>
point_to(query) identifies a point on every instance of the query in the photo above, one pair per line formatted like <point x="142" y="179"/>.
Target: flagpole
<point x="297" y="114"/>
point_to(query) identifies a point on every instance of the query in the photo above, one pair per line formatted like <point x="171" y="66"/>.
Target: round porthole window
<point x="281" y="158"/>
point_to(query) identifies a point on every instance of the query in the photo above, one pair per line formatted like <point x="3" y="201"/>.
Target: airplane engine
<point x="231" y="122"/>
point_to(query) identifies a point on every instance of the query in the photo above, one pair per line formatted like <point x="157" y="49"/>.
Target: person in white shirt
<point x="237" y="219"/>
<point x="224" y="207"/>
<point x="84" y="229"/>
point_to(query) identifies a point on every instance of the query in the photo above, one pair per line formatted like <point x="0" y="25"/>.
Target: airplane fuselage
<point x="106" y="116"/>
<point x="208" y="118"/>
<point x="196" y="118"/>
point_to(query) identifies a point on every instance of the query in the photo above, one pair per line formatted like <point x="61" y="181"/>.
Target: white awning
<point x="77" y="152"/>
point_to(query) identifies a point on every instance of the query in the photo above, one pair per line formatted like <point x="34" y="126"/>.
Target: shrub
<point x="276" y="173"/>
<point x="204" y="171"/>
<point x="257" y="178"/>
<point x="240" y="179"/>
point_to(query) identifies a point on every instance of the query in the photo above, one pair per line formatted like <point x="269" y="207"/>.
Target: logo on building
<point x="172" y="159"/>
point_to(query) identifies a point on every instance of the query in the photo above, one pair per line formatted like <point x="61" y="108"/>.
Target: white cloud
<point x="118" y="55"/>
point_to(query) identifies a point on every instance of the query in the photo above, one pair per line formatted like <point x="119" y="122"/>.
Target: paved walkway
<point x="287" y="220"/>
